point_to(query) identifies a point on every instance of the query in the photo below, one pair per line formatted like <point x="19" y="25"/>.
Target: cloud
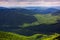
<point x="14" y="4"/>
<point x="37" y="0"/>
<point x="29" y="0"/>
<point x="51" y="0"/>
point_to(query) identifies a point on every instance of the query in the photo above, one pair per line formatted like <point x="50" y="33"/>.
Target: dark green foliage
<point x="13" y="17"/>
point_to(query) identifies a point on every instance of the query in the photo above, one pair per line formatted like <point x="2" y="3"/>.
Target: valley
<point x="29" y="23"/>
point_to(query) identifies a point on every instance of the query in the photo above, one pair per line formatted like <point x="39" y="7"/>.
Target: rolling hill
<point x="45" y="24"/>
<point x="56" y="13"/>
<point x="28" y="22"/>
<point x="13" y="36"/>
<point x="42" y="10"/>
<point x="10" y="16"/>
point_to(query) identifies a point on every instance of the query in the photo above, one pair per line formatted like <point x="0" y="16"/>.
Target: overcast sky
<point x="10" y="3"/>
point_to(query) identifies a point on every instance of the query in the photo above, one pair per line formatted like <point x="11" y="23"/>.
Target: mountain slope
<point x="13" y="17"/>
<point x="36" y="9"/>
<point x="9" y="36"/>
<point x="45" y="24"/>
<point x="12" y="36"/>
<point x="42" y="10"/>
<point x="56" y="13"/>
<point x="50" y="10"/>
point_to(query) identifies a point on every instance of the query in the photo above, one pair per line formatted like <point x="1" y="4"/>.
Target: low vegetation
<point x="42" y="19"/>
<point x="46" y="19"/>
<point x="13" y="36"/>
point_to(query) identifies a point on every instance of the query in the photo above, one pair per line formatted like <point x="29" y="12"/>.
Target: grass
<point x="13" y="36"/>
<point x="46" y="19"/>
<point x="42" y="19"/>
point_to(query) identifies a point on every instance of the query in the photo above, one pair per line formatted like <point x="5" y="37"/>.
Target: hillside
<point x="13" y="17"/>
<point x="50" y="10"/>
<point x="29" y="23"/>
<point x="12" y="36"/>
<point x="56" y="13"/>
<point x="43" y="10"/>
<point x="47" y="18"/>
<point x="17" y="10"/>
<point x="45" y="24"/>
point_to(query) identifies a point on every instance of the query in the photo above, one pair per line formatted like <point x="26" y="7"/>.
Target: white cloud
<point x="39" y="3"/>
<point x="29" y="0"/>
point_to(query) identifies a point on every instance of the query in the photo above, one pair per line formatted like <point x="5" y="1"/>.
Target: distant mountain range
<point x="43" y="10"/>
<point x="33" y="10"/>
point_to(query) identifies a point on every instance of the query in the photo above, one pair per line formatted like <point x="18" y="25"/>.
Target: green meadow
<point x="13" y="36"/>
<point x="42" y="19"/>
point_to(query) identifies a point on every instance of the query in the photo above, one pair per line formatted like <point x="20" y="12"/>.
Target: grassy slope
<point x="43" y="19"/>
<point x="12" y="36"/>
<point x="46" y="19"/>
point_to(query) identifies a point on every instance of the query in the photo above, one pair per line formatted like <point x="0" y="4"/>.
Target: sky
<point x="18" y="3"/>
